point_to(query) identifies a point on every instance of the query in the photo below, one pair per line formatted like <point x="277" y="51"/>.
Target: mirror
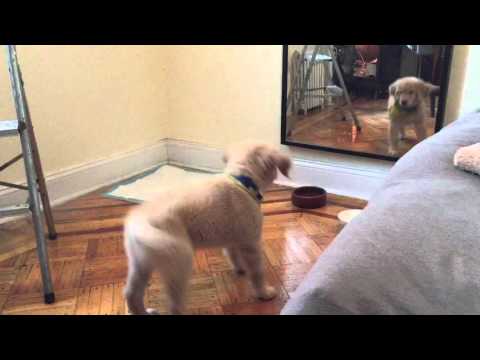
<point x="370" y="100"/>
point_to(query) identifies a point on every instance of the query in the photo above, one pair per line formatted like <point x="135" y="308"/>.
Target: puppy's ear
<point x="434" y="90"/>
<point x="429" y="89"/>
<point x="271" y="159"/>
<point x="283" y="163"/>
<point x="392" y="89"/>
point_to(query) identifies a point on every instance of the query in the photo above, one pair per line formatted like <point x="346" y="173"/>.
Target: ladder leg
<point x="52" y="233"/>
<point x="309" y="72"/>
<point x="23" y="113"/>
<point x="344" y="87"/>
<point x="36" y="210"/>
<point x="295" y="79"/>
<point x="32" y="176"/>
<point x="295" y="68"/>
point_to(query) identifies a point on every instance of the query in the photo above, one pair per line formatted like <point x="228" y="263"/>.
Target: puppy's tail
<point x="139" y="231"/>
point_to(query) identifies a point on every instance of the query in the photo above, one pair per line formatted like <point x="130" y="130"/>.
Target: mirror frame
<point x="444" y="85"/>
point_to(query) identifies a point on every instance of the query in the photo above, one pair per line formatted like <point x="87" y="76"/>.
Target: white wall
<point x="471" y="90"/>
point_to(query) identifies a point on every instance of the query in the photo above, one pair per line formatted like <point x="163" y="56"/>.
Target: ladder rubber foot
<point x="50" y="298"/>
<point x="53" y="236"/>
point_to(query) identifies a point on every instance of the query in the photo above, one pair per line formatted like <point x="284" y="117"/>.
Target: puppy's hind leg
<point x="236" y="259"/>
<point x="139" y="270"/>
<point x="253" y="259"/>
<point x="175" y="264"/>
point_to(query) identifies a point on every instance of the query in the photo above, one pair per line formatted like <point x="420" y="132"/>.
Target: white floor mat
<point x="146" y="186"/>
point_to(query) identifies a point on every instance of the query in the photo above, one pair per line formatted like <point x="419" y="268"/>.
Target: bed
<point x="416" y="247"/>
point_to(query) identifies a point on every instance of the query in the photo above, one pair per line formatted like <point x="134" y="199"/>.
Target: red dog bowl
<point x="309" y="197"/>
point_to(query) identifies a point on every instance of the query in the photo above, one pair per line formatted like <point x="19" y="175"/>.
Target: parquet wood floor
<point x="325" y="128"/>
<point x="89" y="267"/>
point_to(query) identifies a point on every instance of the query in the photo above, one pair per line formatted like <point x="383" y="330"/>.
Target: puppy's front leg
<point x="421" y="132"/>
<point x="394" y="133"/>
<point x="253" y="259"/>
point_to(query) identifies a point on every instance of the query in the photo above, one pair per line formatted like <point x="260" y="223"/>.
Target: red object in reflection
<point x="354" y="134"/>
<point x="368" y="53"/>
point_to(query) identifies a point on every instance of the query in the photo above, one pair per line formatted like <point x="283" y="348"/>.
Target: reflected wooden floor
<point x="327" y="128"/>
<point x="89" y="267"/>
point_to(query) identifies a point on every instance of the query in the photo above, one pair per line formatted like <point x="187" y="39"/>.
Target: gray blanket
<point x="416" y="247"/>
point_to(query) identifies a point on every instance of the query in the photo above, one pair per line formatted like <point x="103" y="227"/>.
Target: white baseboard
<point x="79" y="180"/>
<point x="194" y="155"/>
<point x="335" y="178"/>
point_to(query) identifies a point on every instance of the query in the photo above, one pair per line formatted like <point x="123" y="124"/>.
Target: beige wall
<point x="91" y="102"/>
<point x="470" y="98"/>
<point x="88" y="102"/>
<point x="456" y="86"/>
<point x="222" y="94"/>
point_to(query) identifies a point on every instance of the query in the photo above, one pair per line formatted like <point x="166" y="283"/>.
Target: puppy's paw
<point x="152" y="312"/>
<point x="268" y="293"/>
<point x="392" y="151"/>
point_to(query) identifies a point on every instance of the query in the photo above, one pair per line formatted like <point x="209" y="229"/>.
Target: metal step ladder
<point x="37" y="191"/>
<point x="332" y="53"/>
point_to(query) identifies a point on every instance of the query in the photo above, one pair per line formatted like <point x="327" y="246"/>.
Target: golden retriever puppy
<point x="407" y="106"/>
<point x="223" y="211"/>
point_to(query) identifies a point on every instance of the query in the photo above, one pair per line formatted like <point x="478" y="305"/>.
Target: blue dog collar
<point x="249" y="185"/>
